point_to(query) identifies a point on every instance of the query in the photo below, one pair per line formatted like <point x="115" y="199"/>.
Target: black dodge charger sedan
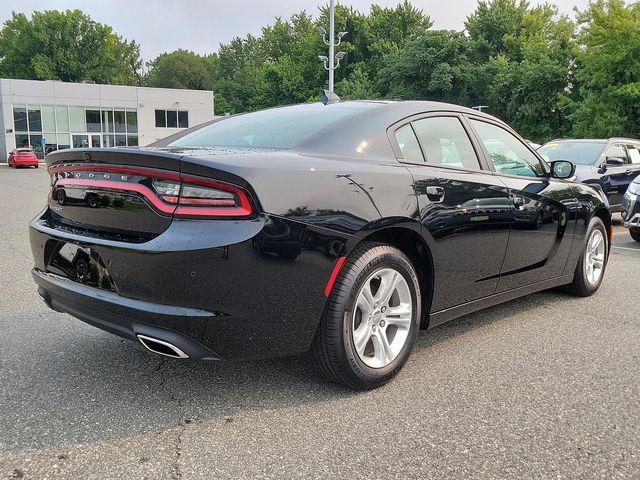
<point x="342" y="229"/>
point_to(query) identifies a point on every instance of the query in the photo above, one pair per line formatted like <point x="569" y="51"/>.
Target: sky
<point x="200" y="25"/>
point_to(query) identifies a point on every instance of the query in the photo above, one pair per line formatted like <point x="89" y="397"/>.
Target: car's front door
<point x="543" y="210"/>
<point x="463" y="209"/>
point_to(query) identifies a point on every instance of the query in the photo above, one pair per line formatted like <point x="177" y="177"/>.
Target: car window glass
<point x="276" y="128"/>
<point x="618" y="151"/>
<point x="446" y="143"/>
<point x="508" y="154"/>
<point x="634" y="153"/>
<point x="408" y="144"/>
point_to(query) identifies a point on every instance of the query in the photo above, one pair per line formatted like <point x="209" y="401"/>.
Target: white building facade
<point x="52" y="115"/>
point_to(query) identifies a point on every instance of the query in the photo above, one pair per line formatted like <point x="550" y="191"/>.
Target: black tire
<point x="333" y="346"/>
<point x="580" y="285"/>
<point x="635" y="233"/>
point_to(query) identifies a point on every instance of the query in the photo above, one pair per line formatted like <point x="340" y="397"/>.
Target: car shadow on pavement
<point x="95" y="386"/>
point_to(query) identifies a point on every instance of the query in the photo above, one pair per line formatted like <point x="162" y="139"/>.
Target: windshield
<point x="580" y="153"/>
<point x="277" y="128"/>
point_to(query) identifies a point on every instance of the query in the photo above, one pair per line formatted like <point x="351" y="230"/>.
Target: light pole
<point x="333" y="60"/>
<point x="480" y="107"/>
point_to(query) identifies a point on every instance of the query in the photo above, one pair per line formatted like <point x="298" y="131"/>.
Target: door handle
<point x="435" y="194"/>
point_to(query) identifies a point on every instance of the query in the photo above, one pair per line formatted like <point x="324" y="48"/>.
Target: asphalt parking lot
<point x="547" y="386"/>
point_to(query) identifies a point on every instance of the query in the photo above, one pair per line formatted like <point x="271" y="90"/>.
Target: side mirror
<point x="562" y="169"/>
<point x="615" y="161"/>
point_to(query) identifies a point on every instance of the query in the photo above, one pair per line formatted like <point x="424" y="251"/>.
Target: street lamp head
<point x="340" y="55"/>
<point x="342" y="34"/>
<point x="323" y="58"/>
<point x="321" y="30"/>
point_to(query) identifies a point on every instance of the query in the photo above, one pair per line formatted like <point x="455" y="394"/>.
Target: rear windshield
<point x="277" y="128"/>
<point x="581" y="153"/>
<point x="22" y="150"/>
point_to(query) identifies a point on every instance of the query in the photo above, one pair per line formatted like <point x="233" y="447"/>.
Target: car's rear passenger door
<point x="464" y="209"/>
<point x="616" y="179"/>
<point x="542" y="209"/>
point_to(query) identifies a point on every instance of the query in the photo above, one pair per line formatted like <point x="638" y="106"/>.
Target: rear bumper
<point x="25" y="163"/>
<point x="214" y="289"/>
<point x="122" y="316"/>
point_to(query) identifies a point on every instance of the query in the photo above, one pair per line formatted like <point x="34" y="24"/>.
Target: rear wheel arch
<point x="416" y="248"/>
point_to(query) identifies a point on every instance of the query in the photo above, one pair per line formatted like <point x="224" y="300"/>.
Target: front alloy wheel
<point x="371" y="318"/>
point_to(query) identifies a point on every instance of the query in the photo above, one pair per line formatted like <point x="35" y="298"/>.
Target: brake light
<point x="203" y="198"/>
<point x="170" y="193"/>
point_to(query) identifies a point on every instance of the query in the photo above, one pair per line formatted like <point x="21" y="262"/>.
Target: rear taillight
<point x="203" y="198"/>
<point x="168" y="192"/>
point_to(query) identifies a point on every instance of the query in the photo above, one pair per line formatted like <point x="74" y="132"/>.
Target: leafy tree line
<point x="546" y="75"/>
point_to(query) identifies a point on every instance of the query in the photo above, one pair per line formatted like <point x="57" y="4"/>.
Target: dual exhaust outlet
<point x="161" y="347"/>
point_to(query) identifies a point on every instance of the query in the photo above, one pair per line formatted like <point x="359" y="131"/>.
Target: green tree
<point x="357" y="86"/>
<point x="522" y="65"/>
<point x="66" y="46"/>
<point x="608" y="70"/>
<point x="434" y="66"/>
<point x="181" y="69"/>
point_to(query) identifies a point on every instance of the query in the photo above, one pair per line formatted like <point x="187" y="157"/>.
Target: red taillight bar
<point x="188" y="207"/>
<point x="127" y="187"/>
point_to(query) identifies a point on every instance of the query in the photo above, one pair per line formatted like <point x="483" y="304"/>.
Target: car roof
<point x="367" y="125"/>
<point x="594" y="140"/>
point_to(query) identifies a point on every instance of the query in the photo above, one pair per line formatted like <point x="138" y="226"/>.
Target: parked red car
<point x="22" y="157"/>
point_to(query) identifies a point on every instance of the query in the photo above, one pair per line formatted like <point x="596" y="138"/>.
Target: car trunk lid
<point x="111" y="192"/>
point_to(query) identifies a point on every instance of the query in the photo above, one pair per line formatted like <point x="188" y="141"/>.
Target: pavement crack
<point x="176" y="470"/>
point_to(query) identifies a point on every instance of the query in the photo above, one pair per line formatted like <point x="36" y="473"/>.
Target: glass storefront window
<point x="107" y="121"/>
<point x="108" y="141"/>
<point x="22" y="140"/>
<point x="77" y="127"/>
<point x="20" y="119"/>
<point x="48" y="118"/>
<point x="93" y="120"/>
<point x="64" y="140"/>
<point x="62" y="119"/>
<point x="172" y="119"/>
<point x="34" y="142"/>
<point x="132" y="122"/>
<point x="161" y="118"/>
<point x="35" y="119"/>
<point x="77" y="119"/>
<point x="119" y="121"/>
<point x="80" y="141"/>
<point x="183" y="119"/>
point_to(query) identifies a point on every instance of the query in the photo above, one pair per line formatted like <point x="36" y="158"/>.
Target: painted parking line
<point x="626" y="248"/>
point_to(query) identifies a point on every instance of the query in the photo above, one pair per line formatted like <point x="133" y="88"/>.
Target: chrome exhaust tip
<point x="161" y="347"/>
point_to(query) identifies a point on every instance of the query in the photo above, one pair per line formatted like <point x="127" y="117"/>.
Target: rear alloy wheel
<point x="635" y="233"/>
<point x="593" y="261"/>
<point x="371" y="319"/>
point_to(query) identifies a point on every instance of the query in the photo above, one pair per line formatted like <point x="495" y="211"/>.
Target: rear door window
<point x="634" y="154"/>
<point x="408" y="144"/>
<point x="445" y="143"/>
<point x="617" y="150"/>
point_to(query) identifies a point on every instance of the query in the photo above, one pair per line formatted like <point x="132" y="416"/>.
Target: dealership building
<point x="52" y="115"/>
